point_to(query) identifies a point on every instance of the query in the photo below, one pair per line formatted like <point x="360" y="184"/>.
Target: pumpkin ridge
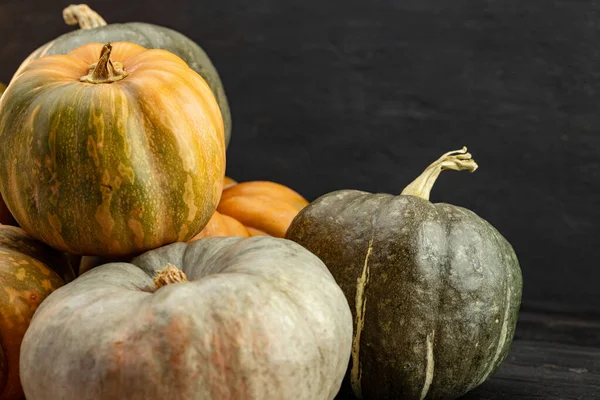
<point x="194" y="83"/>
<point x="443" y="277"/>
<point x="297" y="307"/>
<point x="153" y="199"/>
<point x="157" y="127"/>
<point x="472" y="373"/>
<point x="446" y="265"/>
<point x="505" y="333"/>
<point x="46" y="201"/>
<point x="360" y="297"/>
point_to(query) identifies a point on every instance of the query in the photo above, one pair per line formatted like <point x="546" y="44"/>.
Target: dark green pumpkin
<point x="94" y="29"/>
<point x="435" y="290"/>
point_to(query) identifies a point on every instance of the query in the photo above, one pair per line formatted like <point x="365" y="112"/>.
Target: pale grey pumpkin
<point x="259" y="318"/>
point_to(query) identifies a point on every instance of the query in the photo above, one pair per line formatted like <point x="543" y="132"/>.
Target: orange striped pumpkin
<point x="111" y="150"/>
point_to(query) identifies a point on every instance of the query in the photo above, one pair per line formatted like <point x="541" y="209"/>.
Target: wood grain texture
<point x="553" y="357"/>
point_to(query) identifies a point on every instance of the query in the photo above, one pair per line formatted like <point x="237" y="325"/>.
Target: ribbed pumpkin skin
<point x="29" y="272"/>
<point x="435" y="291"/>
<point x="148" y="36"/>
<point x="259" y="319"/>
<point x="111" y="169"/>
<point x="5" y="215"/>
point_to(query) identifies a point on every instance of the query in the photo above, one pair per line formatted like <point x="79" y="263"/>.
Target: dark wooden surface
<point x="553" y="357"/>
<point x="363" y="94"/>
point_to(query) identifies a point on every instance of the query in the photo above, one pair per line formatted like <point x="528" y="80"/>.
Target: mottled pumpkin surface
<point x="5" y="215"/>
<point x="148" y="36"/>
<point x="29" y="272"/>
<point x="111" y="169"/>
<point x="259" y="318"/>
<point x="435" y="291"/>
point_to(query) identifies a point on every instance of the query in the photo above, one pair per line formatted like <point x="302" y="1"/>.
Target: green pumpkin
<point x="94" y="29"/>
<point x="435" y="289"/>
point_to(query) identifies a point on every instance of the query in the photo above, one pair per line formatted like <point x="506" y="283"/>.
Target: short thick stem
<point x="83" y="15"/>
<point x="105" y="71"/>
<point x="457" y="160"/>
<point x="167" y="275"/>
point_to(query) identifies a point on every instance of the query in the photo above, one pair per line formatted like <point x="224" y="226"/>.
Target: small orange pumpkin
<point x="255" y="208"/>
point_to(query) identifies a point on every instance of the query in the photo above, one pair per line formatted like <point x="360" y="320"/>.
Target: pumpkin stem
<point x="105" y="71"/>
<point x="167" y="275"/>
<point x="83" y="15"/>
<point x="457" y="160"/>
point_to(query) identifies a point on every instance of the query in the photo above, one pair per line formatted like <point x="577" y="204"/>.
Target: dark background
<point x="364" y="94"/>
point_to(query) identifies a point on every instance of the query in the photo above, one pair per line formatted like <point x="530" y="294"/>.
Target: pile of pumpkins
<point x="131" y="267"/>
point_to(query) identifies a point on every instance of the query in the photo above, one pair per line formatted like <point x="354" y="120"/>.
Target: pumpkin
<point x="93" y="28"/>
<point x="255" y="208"/>
<point x="110" y="150"/>
<point x="219" y="318"/>
<point x="225" y="225"/>
<point x="5" y="215"/>
<point x="436" y="289"/>
<point x="29" y="272"/>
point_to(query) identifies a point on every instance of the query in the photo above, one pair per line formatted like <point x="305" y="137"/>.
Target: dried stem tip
<point x="167" y="275"/>
<point x="457" y="160"/>
<point x="105" y="71"/>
